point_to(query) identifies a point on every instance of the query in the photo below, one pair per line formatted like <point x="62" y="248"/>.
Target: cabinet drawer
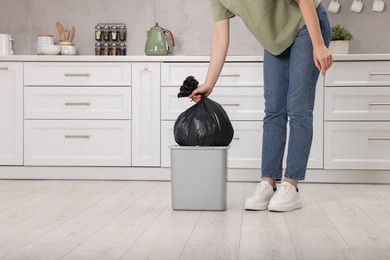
<point x="376" y="73"/>
<point x="78" y="143"/>
<point x="233" y="74"/>
<point x="77" y="103"/>
<point x="245" y="148"/>
<point x="241" y="103"/>
<point x="77" y="73"/>
<point x="357" y="103"/>
<point x="357" y="145"/>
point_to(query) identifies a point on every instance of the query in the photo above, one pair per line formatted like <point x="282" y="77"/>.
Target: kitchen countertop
<point x="175" y="58"/>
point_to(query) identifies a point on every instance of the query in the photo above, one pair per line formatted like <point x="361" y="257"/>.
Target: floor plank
<point x="116" y="237"/>
<point x="356" y="228"/>
<point x="218" y="232"/>
<point x="25" y="232"/>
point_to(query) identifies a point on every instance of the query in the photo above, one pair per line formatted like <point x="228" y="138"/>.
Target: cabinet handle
<point x="236" y="138"/>
<point x="3" y="68"/>
<point x="77" y="136"/>
<point x="378" y="138"/>
<point x="231" y="104"/>
<point x="379" y="104"/>
<point x="76" y="75"/>
<point x="379" y="73"/>
<point x="77" y="104"/>
<point x="230" y="75"/>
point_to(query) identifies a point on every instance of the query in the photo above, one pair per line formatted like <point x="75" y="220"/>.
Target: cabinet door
<point x="11" y="113"/>
<point x="146" y="114"/>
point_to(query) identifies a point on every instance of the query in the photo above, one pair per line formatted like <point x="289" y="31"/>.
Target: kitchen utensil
<point x="334" y="6"/>
<point x="5" y="44"/>
<point x="156" y="43"/>
<point x="72" y="32"/>
<point x="378" y="6"/>
<point x="66" y="33"/>
<point x="59" y="28"/>
<point x="43" y="40"/>
<point x="357" y="6"/>
<point x="50" y="49"/>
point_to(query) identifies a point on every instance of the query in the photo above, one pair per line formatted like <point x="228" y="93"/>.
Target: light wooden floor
<point x="134" y="220"/>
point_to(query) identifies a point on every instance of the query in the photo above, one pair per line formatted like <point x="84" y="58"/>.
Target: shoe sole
<point x="257" y="207"/>
<point x="285" y="208"/>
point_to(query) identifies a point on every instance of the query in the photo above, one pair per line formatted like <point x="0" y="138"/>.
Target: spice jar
<point x="114" y="33"/>
<point x="98" y="49"/>
<point x="122" y="33"/>
<point x="106" y="49"/>
<point x="113" y="49"/>
<point x="98" y="33"/>
<point x="122" y="49"/>
<point x="106" y="33"/>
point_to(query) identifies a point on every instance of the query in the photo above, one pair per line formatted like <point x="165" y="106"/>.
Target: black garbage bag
<point x="204" y="124"/>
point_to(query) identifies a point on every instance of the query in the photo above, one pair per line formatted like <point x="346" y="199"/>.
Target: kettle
<point x="156" y="43"/>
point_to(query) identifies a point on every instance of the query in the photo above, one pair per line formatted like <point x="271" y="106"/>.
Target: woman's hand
<point x="201" y="90"/>
<point x="322" y="58"/>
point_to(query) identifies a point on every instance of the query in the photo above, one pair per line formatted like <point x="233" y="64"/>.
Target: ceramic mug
<point x="357" y="6"/>
<point x="334" y="6"/>
<point x="378" y="6"/>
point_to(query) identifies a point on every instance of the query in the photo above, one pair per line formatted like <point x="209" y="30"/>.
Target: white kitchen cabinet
<point x="77" y="74"/>
<point x="357" y="145"/>
<point x="146" y="114"/>
<point x="248" y="74"/>
<point x="351" y="74"/>
<point x="78" y="142"/>
<point x="11" y="113"/>
<point x="77" y="103"/>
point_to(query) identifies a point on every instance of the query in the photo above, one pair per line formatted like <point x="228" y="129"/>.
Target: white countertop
<point x="175" y="58"/>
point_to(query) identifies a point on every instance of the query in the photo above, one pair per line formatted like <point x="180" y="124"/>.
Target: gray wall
<point x="189" y="20"/>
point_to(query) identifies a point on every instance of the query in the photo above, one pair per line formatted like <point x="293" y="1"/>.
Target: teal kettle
<point x="156" y="43"/>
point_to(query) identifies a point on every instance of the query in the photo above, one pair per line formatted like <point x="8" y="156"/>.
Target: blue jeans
<point x="289" y="90"/>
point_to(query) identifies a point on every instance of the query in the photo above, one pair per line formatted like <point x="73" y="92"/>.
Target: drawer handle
<point x="231" y="104"/>
<point x="378" y="138"/>
<point x="76" y="74"/>
<point x="379" y="73"/>
<point x="230" y="75"/>
<point x="379" y="104"/>
<point x="77" y="137"/>
<point x="236" y="138"/>
<point x="77" y="104"/>
<point x="3" y="68"/>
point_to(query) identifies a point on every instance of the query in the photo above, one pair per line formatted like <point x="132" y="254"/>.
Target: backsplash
<point x="189" y="20"/>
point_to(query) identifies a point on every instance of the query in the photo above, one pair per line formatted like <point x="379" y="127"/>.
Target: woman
<point x="295" y="36"/>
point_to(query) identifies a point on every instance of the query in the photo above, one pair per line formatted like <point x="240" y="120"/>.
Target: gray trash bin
<point x="199" y="177"/>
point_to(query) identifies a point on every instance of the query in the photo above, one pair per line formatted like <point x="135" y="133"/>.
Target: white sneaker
<point x="261" y="196"/>
<point x="286" y="198"/>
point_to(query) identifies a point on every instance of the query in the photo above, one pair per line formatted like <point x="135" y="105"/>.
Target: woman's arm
<point x="322" y="56"/>
<point x="219" y="47"/>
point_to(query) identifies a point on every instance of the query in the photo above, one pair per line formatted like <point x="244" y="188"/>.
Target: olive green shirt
<point x="274" y="23"/>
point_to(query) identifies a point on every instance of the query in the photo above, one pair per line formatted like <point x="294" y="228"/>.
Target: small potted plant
<point x="340" y="40"/>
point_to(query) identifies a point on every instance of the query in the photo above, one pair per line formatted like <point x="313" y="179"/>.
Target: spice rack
<point x="110" y="39"/>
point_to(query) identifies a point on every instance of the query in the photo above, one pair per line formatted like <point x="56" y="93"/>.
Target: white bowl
<point x="51" y="49"/>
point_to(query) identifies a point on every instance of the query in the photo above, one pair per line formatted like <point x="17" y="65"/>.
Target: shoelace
<point x="283" y="190"/>
<point x="260" y="189"/>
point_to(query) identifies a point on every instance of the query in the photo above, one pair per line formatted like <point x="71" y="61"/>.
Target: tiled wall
<point x="189" y="20"/>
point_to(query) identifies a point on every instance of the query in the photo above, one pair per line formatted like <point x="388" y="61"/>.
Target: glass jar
<point x="114" y="49"/>
<point x="98" y="49"/>
<point x="106" y="49"/>
<point x="98" y="33"/>
<point x="106" y="33"/>
<point x="122" y="33"/>
<point x="122" y="49"/>
<point x="44" y="39"/>
<point x="114" y="33"/>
